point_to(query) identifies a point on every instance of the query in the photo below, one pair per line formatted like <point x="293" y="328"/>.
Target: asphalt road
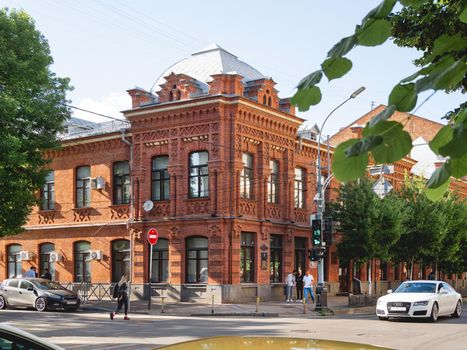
<point x="97" y="331"/>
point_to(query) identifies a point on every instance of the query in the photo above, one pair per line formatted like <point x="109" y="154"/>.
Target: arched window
<point x="44" y="259"/>
<point x="82" y="271"/>
<point x="269" y="101"/>
<point x="299" y="188"/>
<point x="246" y="177"/>
<point x="48" y="192"/>
<point x="121" y="183"/>
<point x="160" y="261"/>
<point x="199" y="177"/>
<point x="196" y="260"/>
<point x="273" y="182"/>
<point x="14" y="264"/>
<point x="83" y="186"/>
<point x="120" y="259"/>
<point x="160" y="190"/>
<point x="264" y="99"/>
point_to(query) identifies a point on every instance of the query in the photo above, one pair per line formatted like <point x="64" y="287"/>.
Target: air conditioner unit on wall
<point x="98" y="183"/>
<point x="25" y="255"/>
<point x="95" y="255"/>
<point x="54" y="257"/>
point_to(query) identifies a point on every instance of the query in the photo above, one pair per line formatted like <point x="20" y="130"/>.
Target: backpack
<point x="115" y="292"/>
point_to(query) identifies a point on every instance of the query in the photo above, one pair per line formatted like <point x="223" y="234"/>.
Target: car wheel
<point x="2" y="303"/>
<point x="41" y="304"/>
<point x="458" y="311"/>
<point x="434" y="313"/>
<point x="381" y="318"/>
<point x="74" y="309"/>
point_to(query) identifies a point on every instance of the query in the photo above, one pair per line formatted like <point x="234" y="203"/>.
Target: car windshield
<point x="416" y="287"/>
<point x="48" y="285"/>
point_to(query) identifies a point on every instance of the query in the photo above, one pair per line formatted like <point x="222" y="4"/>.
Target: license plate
<point x="71" y="302"/>
<point x="397" y="308"/>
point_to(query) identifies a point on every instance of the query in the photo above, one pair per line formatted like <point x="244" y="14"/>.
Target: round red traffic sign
<point x="153" y="236"/>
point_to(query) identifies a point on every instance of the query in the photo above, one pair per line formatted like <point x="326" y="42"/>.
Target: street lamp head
<point x="357" y="92"/>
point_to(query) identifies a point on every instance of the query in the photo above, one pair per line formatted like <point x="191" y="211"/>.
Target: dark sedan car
<point x="39" y="293"/>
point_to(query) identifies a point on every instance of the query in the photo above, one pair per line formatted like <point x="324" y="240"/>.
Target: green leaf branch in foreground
<point x="348" y="168"/>
<point x="443" y="67"/>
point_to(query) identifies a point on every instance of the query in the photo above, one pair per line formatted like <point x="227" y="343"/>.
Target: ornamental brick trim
<point x="81" y="214"/>
<point x="118" y="212"/>
<point x="46" y="217"/>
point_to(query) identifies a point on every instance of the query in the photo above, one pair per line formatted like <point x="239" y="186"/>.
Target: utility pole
<point x="321" y="291"/>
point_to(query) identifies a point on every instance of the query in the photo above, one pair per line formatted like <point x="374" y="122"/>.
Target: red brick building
<point x="212" y="160"/>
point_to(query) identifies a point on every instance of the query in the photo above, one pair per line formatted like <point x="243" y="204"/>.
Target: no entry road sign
<point x="153" y="236"/>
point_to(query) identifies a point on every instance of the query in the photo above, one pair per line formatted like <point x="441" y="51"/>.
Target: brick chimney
<point x="286" y="107"/>
<point x="357" y="130"/>
<point x="229" y="84"/>
<point x="140" y="97"/>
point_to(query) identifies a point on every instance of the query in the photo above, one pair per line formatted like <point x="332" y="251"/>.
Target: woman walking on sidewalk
<point x="299" y="285"/>
<point x="121" y="292"/>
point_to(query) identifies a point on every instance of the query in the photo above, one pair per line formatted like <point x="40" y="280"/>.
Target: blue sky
<point x="107" y="47"/>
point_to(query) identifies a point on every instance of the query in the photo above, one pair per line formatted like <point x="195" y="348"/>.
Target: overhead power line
<point x="99" y="114"/>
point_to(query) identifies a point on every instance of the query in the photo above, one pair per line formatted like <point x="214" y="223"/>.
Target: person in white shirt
<point x="308" y="287"/>
<point x="290" y="285"/>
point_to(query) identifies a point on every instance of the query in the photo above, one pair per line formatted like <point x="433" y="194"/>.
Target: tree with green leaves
<point x="423" y="230"/>
<point x="32" y="110"/>
<point x="449" y="256"/>
<point x="443" y="67"/>
<point x="369" y="226"/>
<point x="356" y="211"/>
<point x="389" y="225"/>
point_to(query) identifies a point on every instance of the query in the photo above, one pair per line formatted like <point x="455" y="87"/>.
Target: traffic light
<point x="327" y="231"/>
<point x="316" y="233"/>
<point x="316" y="253"/>
<point x="313" y="255"/>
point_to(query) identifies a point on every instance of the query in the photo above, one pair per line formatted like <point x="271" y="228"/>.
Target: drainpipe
<point x="131" y="216"/>
<point x="232" y="193"/>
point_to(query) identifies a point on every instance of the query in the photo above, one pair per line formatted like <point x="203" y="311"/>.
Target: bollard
<point x="149" y="296"/>
<point x="257" y="304"/>
<point x="304" y="305"/>
<point x="212" y="305"/>
<point x="162" y="305"/>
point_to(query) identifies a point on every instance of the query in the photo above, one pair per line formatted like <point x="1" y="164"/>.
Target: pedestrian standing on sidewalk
<point x="290" y="285"/>
<point x="299" y="285"/>
<point x="31" y="273"/>
<point x="308" y="287"/>
<point x="122" y="298"/>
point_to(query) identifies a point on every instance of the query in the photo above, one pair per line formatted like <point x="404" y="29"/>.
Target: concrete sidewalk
<point x="336" y="305"/>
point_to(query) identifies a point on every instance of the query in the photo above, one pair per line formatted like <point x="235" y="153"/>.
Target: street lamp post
<point x="321" y="291"/>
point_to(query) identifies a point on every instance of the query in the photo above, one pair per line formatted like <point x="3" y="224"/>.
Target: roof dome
<point x="211" y="60"/>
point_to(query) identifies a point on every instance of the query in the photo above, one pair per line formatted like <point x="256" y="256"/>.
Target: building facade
<point x="212" y="160"/>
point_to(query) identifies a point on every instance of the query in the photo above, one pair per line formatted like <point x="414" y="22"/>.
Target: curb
<point x="238" y="314"/>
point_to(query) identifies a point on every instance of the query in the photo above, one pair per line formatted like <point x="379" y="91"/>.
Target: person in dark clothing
<point x="122" y="298"/>
<point x="47" y="275"/>
<point x="432" y="276"/>
<point x="299" y="285"/>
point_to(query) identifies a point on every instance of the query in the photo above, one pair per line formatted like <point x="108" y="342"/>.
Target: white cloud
<point x="109" y="105"/>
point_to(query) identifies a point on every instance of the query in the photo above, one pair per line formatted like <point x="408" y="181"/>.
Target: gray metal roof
<point x="211" y="60"/>
<point x="76" y="128"/>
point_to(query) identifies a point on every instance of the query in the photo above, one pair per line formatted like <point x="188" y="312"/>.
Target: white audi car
<point x="420" y="299"/>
